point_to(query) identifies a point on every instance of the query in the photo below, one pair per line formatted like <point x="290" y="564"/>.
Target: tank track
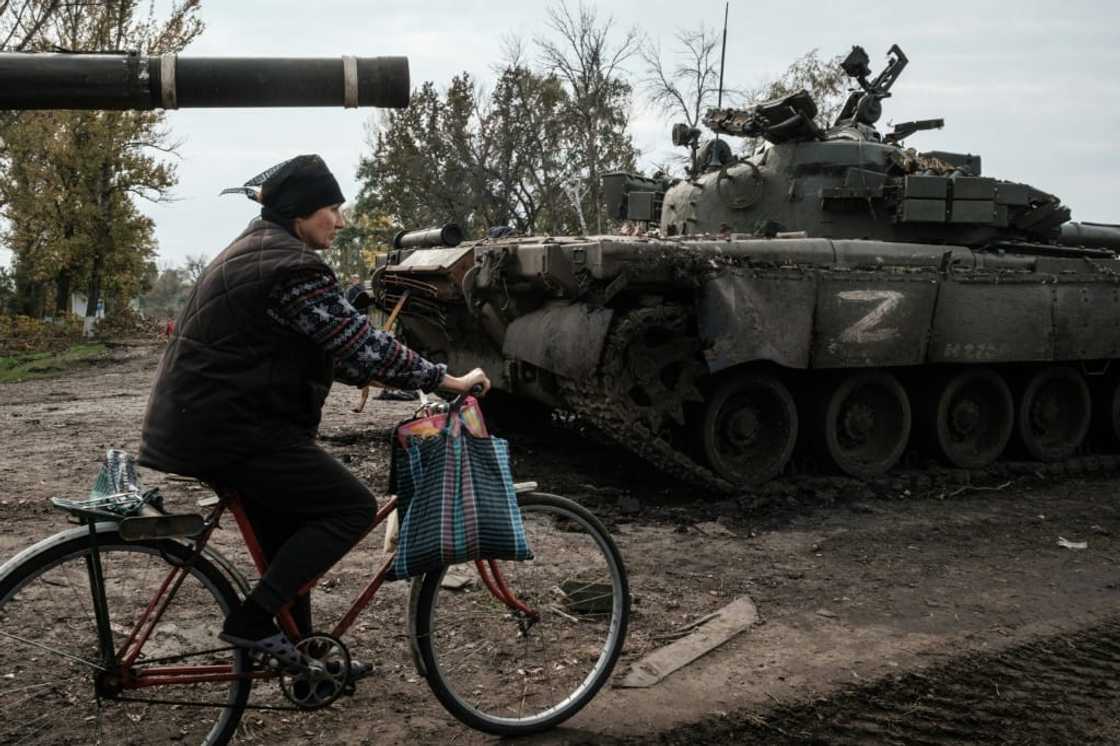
<point x="603" y="402"/>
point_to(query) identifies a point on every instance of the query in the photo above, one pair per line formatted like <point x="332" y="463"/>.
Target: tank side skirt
<point x="748" y="316"/>
<point x="1087" y="318"/>
<point x="563" y="338"/>
<point x="993" y="320"/>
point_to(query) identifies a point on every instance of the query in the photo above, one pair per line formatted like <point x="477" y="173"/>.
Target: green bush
<point x="26" y="334"/>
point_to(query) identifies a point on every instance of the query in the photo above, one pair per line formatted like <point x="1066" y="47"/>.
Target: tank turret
<point x="851" y="181"/>
<point x="135" y="81"/>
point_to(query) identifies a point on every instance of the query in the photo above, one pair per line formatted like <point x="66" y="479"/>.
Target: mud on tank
<point x="834" y="295"/>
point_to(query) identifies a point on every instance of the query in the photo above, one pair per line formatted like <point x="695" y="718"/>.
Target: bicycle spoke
<point x="52" y="651"/>
<point x="31" y="686"/>
<point x="31" y="731"/>
<point x="82" y="597"/>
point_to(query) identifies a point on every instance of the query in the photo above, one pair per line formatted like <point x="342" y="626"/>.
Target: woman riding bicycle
<point x="238" y="395"/>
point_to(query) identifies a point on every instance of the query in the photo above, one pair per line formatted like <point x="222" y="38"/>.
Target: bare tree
<point x="21" y="23"/>
<point x="690" y="86"/>
<point x="584" y="57"/>
<point x="192" y="270"/>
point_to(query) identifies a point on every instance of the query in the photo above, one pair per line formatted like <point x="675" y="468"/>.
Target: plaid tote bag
<point x="456" y="500"/>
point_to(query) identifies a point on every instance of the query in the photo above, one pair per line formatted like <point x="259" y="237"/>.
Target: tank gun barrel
<point x="425" y="238"/>
<point x="1090" y="235"/>
<point x="135" y="81"/>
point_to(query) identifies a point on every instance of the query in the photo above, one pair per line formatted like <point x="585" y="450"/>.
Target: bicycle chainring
<point x="324" y="679"/>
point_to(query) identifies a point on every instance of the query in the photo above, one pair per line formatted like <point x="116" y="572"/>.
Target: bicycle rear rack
<point x="149" y="522"/>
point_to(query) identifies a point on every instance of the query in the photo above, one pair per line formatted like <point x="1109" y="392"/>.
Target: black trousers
<point x="308" y="511"/>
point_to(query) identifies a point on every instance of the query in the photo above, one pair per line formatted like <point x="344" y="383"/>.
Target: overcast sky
<point x="1033" y="87"/>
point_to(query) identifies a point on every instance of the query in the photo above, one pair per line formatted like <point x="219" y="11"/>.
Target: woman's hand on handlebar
<point x="475" y="383"/>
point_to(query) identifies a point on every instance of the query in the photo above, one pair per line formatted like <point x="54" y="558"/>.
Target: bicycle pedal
<point x="352" y="681"/>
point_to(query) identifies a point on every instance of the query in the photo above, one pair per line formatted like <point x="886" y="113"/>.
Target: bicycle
<point x="120" y="615"/>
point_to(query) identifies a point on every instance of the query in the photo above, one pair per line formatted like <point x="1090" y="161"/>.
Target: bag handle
<point x="453" y="410"/>
<point x="456" y="405"/>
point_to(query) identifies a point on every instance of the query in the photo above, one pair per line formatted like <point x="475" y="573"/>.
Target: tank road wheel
<point x="1054" y="413"/>
<point x="975" y="417"/>
<point x="749" y="428"/>
<point x="867" y="423"/>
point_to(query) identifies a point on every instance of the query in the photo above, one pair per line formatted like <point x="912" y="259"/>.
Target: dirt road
<point x="947" y="616"/>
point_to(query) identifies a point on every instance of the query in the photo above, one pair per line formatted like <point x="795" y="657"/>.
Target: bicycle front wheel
<point x="503" y="671"/>
<point x="56" y="687"/>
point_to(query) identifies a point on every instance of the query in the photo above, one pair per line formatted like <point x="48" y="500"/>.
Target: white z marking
<point x="866" y="331"/>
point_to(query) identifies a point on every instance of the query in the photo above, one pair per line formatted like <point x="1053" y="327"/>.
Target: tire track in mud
<point x="1057" y="690"/>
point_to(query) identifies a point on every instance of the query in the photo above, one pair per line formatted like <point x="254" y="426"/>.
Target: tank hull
<point x="652" y="340"/>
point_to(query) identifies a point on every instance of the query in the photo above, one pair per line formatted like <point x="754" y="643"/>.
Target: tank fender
<point x="564" y="338"/>
<point x="757" y="316"/>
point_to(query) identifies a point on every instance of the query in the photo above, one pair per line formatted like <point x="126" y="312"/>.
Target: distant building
<point x="78" y="306"/>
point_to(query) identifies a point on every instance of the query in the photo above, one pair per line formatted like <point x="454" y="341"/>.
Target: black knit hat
<point x="299" y="187"/>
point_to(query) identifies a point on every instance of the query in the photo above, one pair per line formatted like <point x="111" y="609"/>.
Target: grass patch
<point x="25" y="365"/>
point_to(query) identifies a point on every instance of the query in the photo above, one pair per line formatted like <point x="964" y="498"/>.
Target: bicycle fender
<point x="413" y="637"/>
<point x="50" y="543"/>
<point x="109" y="527"/>
<point x="225" y="564"/>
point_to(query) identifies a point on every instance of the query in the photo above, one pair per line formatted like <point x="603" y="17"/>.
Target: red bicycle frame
<point x="151" y="675"/>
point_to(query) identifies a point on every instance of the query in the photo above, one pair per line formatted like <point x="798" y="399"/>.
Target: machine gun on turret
<point x="791" y="118"/>
<point x="865" y="106"/>
<point x="902" y="130"/>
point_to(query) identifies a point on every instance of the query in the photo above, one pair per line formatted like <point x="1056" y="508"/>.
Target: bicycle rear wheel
<point x="53" y="686"/>
<point x="499" y="672"/>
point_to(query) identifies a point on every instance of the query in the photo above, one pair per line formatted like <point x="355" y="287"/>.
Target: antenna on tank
<point x="723" y="54"/>
<point x="722" y="57"/>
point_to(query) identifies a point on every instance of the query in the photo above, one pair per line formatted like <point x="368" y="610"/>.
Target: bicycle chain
<point x="603" y="402"/>
<point x="187" y="703"/>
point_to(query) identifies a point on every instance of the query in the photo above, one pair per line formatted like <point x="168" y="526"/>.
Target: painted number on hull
<point x="869" y="329"/>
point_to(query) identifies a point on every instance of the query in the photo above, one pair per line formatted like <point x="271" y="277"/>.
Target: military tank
<point x="833" y="295"/>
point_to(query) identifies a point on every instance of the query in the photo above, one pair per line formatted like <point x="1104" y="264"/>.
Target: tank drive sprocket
<point x="650" y="371"/>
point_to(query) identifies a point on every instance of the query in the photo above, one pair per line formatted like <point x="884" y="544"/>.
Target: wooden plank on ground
<point x="721" y="627"/>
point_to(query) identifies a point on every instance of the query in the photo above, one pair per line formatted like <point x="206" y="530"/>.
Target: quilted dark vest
<point x="233" y="382"/>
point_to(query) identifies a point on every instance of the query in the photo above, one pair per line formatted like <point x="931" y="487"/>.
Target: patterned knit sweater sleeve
<point x="312" y="304"/>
